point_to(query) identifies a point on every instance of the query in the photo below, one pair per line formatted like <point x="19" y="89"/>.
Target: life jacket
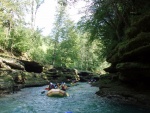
<point x="63" y="87"/>
<point x="52" y="86"/>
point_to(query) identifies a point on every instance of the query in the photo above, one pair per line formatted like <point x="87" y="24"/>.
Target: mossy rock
<point x="142" y="39"/>
<point x="132" y="65"/>
<point x="131" y="32"/>
<point x="135" y="76"/>
<point x="35" y="79"/>
<point x="142" y="25"/>
<point x="35" y="82"/>
<point x="138" y="54"/>
<point x="131" y="48"/>
<point x="138" y="35"/>
<point x="6" y="82"/>
<point x="111" y="69"/>
<point x="44" y="76"/>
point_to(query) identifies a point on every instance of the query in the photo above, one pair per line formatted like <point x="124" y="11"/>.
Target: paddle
<point x="42" y="92"/>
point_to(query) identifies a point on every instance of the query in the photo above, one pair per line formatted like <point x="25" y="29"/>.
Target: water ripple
<point x="82" y="99"/>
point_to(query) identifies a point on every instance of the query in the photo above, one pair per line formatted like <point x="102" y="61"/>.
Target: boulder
<point x="14" y="65"/>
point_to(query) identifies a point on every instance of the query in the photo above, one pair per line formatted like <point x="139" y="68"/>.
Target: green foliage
<point x="2" y="38"/>
<point x="20" y="40"/>
<point x="107" y="22"/>
<point x="67" y="46"/>
<point x="38" y="55"/>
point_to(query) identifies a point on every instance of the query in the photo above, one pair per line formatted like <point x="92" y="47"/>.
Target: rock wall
<point x="16" y="74"/>
<point x="14" y="80"/>
<point x="130" y="58"/>
<point x="62" y="74"/>
<point x="128" y="77"/>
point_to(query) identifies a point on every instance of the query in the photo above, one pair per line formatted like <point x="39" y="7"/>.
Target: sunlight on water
<point x="82" y="99"/>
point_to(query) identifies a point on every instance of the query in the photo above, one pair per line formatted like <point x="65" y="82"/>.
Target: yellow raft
<point x="57" y="93"/>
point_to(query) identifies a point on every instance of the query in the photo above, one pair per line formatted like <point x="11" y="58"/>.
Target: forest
<point x="68" y="44"/>
<point x="112" y="39"/>
<point x="86" y="45"/>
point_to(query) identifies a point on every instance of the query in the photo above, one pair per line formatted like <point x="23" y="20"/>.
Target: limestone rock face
<point x="62" y="74"/>
<point x="6" y="80"/>
<point x="16" y="74"/>
<point x="34" y="79"/>
<point x="14" y="80"/>
<point x="128" y="76"/>
<point x="130" y="58"/>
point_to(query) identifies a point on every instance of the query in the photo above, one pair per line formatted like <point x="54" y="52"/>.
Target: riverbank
<point x="129" y="73"/>
<point x="17" y="73"/>
<point x="122" y="92"/>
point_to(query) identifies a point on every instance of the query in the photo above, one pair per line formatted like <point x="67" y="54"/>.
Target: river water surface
<point x="82" y="99"/>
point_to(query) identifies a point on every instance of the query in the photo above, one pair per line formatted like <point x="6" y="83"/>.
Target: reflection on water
<point x="82" y="99"/>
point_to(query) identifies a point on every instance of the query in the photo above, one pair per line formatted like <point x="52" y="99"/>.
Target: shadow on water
<point x="82" y="99"/>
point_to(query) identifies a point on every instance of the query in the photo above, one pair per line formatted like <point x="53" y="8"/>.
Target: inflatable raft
<point x="57" y="93"/>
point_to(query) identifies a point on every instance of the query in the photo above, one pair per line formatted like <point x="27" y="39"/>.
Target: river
<point x="82" y="99"/>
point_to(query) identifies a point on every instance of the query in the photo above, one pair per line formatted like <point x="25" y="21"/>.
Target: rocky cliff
<point x="129" y="73"/>
<point x="17" y="73"/>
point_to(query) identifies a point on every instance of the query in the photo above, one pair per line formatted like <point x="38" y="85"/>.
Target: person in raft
<point x="63" y="86"/>
<point x="51" y="86"/>
<point x="58" y="85"/>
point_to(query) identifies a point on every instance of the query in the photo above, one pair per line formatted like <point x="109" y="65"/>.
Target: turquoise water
<point x="82" y="99"/>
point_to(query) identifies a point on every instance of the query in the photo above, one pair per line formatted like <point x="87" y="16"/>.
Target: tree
<point x="69" y="45"/>
<point x="12" y="14"/>
<point x="58" y="28"/>
<point x="35" y="5"/>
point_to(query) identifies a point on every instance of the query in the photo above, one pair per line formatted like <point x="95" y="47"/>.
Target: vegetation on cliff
<point x="115" y="30"/>
<point x="122" y="28"/>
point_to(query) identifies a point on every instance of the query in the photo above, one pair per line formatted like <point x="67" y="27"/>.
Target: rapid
<point x="81" y="99"/>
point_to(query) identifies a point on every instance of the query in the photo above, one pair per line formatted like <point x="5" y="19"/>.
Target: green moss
<point x="129" y="49"/>
<point x="136" y="52"/>
<point x="132" y="65"/>
<point x="134" y="45"/>
<point x="131" y="32"/>
<point x="141" y="25"/>
<point x="8" y="78"/>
